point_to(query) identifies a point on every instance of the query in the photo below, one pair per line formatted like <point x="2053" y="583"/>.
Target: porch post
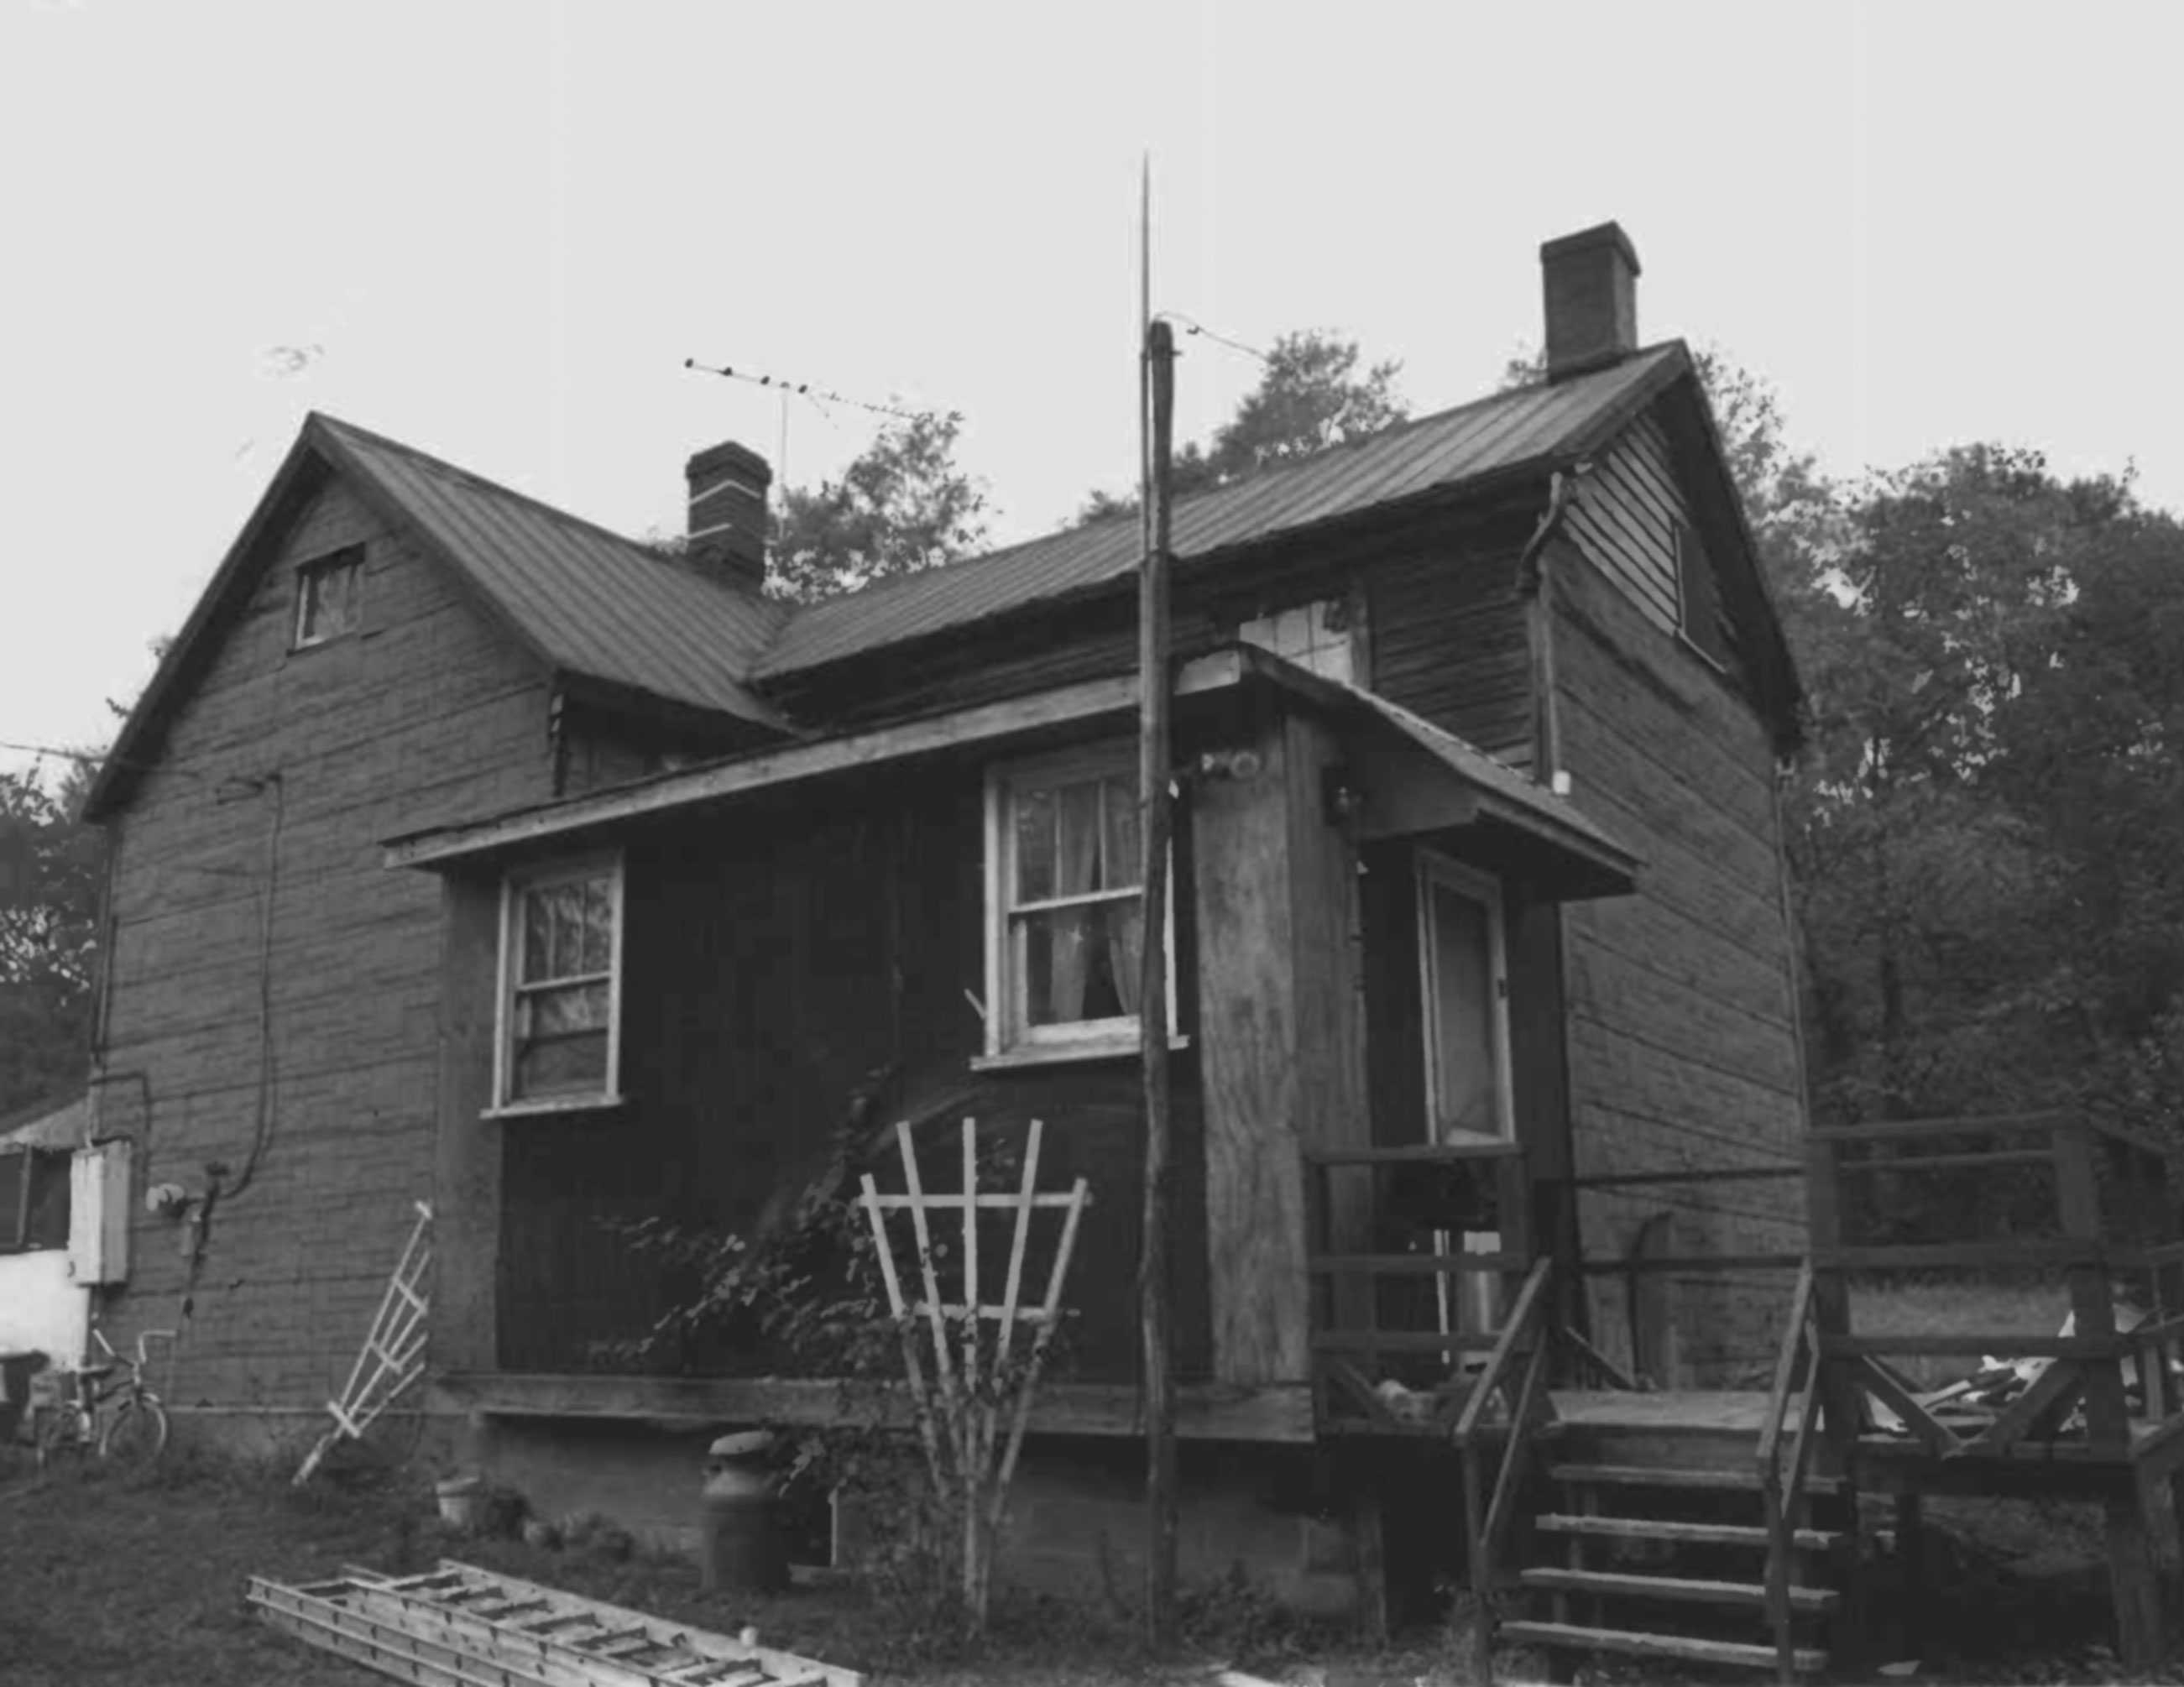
<point x="466" y="1169"/>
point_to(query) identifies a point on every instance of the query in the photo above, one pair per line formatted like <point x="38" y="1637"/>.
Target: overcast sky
<point x="495" y="231"/>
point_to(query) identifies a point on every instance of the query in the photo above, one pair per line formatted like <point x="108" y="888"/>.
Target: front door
<point x="1463" y="992"/>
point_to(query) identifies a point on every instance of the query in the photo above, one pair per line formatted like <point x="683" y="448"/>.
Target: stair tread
<point x="1672" y="1528"/>
<point x="1807" y="1659"/>
<point x="1811" y="1601"/>
<point x="1678" y="1476"/>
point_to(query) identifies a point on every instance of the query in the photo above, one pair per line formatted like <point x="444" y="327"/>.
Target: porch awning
<point x="1409" y="778"/>
<point x="1414" y="779"/>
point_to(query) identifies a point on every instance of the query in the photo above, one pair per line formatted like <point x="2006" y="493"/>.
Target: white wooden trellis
<point x="959" y="1412"/>
<point x="392" y="1356"/>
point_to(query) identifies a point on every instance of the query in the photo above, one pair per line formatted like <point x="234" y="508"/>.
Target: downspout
<point x="1554" y="1215"/>
<point x="1533" y="588"/>
<point x="102" y="997"/>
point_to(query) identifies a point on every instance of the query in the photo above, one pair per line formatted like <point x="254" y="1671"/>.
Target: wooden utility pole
<point x="1154" y="1296"/>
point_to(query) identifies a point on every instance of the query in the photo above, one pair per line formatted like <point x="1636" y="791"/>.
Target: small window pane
<point x="598" y="926"/>
<point x="561" y="1038"/>
<point x="1077" y="821"/>
<point x="1080" y="963"/>
<point x="537" y="944"/>
<point x="49" y="1199"/>
<point x="1121" y="849"/>
<point x="14" y="1163"/>
<point x="574" y="1064"/>
<point x="1034" y="808"/>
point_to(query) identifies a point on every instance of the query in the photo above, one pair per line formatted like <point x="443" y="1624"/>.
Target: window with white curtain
<point x="1065" y="904"/>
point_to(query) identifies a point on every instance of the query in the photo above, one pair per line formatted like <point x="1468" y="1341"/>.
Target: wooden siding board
<point x="1624" y="517"/>
<point x="293" y="1267"/>
<point x="1249" y="1026"/>
<point x="1680" y="1039"/>
<point x="1449" y="641"/>
<point x="779" y="963"/>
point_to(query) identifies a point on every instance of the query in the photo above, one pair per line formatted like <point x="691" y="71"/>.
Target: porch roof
<point x="1426" y="779"/>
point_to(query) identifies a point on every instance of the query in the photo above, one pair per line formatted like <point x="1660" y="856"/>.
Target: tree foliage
<point x="50" y="867"/>
<point x="1980" y="828"/>
<point x="1315" y="391"/>
<point x="900" y="506"/>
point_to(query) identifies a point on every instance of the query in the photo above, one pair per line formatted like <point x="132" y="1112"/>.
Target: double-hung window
<point x="1065" y="935"/>
<point x="560" y="1043"/>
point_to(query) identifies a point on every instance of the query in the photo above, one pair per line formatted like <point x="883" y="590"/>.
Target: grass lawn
<point x="138" y="1582"/>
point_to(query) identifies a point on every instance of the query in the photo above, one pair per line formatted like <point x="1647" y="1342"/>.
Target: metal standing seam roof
<point x="586" y="600"/>
<point x="1494" y="436"/>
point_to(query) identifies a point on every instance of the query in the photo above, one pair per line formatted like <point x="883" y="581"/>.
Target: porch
<point x="2095" y="1413"/>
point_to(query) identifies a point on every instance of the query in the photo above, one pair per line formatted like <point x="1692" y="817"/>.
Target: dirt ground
<point x="117" y="1581"/>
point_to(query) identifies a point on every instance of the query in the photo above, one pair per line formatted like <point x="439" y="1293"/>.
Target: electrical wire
<point x="1192" y="327"/>
<point x="806" y="389"/>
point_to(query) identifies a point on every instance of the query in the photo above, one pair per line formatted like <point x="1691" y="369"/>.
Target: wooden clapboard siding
<point x="1447" y="635"/>
<point x="1680" y="1042"/>
<point x="779" y="963"/>
<point x="429" y="713"/>
<point x="1623" y="515"/>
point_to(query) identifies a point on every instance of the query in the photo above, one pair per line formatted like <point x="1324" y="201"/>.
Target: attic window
<point x="1699" y="613"/>
<point x="1318" y="636"/>
<point x="328" y="589"/>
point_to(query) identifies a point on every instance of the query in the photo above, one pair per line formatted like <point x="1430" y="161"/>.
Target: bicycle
<point x="134" y="1431"/>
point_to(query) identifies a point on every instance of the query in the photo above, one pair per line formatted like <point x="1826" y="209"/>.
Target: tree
<point x="50" y="866"/>
<point x="1310" y="395"/>
<point x="902" y="505"/>
<point x="1982" y="827"/>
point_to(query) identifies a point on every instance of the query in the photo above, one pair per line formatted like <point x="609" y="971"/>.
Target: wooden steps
<point x="1671" y="1528"/>
<point x="1573" y="1637"/>
<point x="1745" y="1479"/>
<point x="1813" y="1601"/>
<point x="1655" y="1545"/>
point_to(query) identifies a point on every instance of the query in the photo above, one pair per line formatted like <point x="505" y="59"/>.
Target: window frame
<point x="515" y="885"/>
<point x="1433" y="868"/>
<point x="348" y="559"/>
<point x="1329" y="629"/>
<point x="1009" y="1039"/>
<point x="15" y="1236"/>
<point x="1713" y="643"/>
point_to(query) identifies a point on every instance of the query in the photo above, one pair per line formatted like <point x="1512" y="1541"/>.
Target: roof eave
<point x="132" y="744"/>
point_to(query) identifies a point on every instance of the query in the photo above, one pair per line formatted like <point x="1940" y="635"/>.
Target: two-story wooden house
<point x="466" y="850"/>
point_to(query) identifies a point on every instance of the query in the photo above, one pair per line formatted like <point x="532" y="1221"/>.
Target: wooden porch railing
<point x="1523" y="1332"/>
<point x="2108" y="1211"/>
<point x="1346" y="1210"/>
<point x="1797" y="1372"/>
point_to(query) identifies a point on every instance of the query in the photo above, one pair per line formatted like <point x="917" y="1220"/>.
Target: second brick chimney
<point x="1590" y="280"/>
<point x="728" y="485"/>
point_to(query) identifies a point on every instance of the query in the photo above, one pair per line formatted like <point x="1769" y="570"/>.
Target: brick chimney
<point x="1590" y="282"/>
<point x="728" y="484"/>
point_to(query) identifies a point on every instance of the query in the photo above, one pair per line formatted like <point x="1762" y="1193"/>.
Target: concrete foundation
<point x="1076" y="1524"/>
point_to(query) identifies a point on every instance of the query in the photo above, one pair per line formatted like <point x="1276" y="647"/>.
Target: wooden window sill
<point x="1065" y="1054"/>
<point x="556" y="1104"/>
